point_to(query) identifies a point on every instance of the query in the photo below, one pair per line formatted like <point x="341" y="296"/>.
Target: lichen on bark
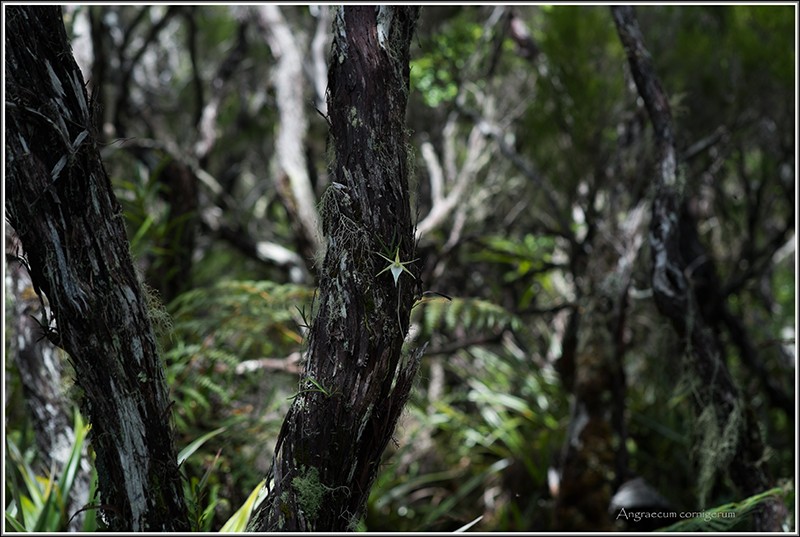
<point x="61" y="203"/>
<point x="355" y="346"/>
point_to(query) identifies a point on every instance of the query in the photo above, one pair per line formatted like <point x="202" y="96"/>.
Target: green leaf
<point x="724" y="517"/>
<point x="238" y="522"/>
<point x="30" y="512"/>
<point x="28" y="475"/>
<point x="448" y="504"/>
<point x="90" y="520"/>
<point x="467" y="526"/>
<point x="186" y="452"/>
<point x="72" y="467"/>
<point x="13" y="522"/>
<point x="49" y="517"/>
<point x="141" y="231"/>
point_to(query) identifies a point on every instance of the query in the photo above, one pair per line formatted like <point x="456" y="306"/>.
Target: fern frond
<point x="469" y="314"/>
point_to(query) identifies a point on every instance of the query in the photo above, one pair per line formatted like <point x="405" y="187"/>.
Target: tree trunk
<point x="41" y="371"/>
<point x="171" y="273"/>
<point x="357" y="378"/>
<point x="682" y="271"/>
<point x="61" y="203"/>
<point x="594" y="457"/>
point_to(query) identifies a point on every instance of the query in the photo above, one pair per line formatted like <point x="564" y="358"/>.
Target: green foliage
<point x="253" y="317"/>
<point x="729" y="516"/>
<point x="498" y="422"/>
<point x="217" y="27"/>
<point x="39" y="503"/>
<point x="139" y="192"/>
<point x="238" y="522"/>
<point x="436" y="72"/>
<point x="763" y="37"/>
<point x="215" y="330"/>
<point x="468" y="314"/>
<point x="529" y="251"/>
<point x="581" y="93"/>
<point x="187" y="452"/>
<point x="314" y="387"/>
<point x="735" y="53"/>
<point x="200" y="510"/>
<point x="523" y="260"/>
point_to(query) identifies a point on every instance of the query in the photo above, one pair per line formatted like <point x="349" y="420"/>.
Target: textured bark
<point x="357" y="379"/>
<point x="42" y="375"/>
<point x="61" y="203"/>
<point x="682" y="274"/>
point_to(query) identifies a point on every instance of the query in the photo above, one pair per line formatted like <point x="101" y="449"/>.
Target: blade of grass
<point x="186" y="452"/>
<point x="465" y="527"/>
<point x="238" y="522"/>
<point x="72" y="467"/>
<point x="27" y="474"/>
<point x="465" y="489"/>
<point x="14" y="523"/>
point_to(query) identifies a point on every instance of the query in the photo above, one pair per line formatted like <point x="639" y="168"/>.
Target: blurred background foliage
<point x="531" y="116"/>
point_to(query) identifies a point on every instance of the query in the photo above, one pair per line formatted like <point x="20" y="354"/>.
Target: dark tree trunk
<point x="61" y="203"/>
<point x="594" y="458"/>
<point x="172" y="274"/>
<point x="682" y="274"/>
<point x="357" y="378"/>
<point x="42" y="375"/>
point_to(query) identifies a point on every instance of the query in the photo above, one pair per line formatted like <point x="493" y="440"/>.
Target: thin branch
<point x="442" y="206"/>
<point x="289" y="364"/>
<point x="758" y="261"/>
<point x="435" y="173"/>
<point x="778" y="397"/>
<point x="453" y="346"/>
<point x="704" y="144"/>
<point x="318" y="58"/>
<point x="127" y="35"/>
<point x="299" y="197"/>
<point x="449" y="146"/>
<point x="548" y="310"/>
<point x="207" y="126"/>
<point x="523" y="166"/>
<point x="128" y="66"/>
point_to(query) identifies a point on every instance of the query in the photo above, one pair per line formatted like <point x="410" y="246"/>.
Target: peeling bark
<point x="681" y="272"/>
<point x="42" y="375"/>
<point x="357" y="379"/>
<point x="61" y="204"/>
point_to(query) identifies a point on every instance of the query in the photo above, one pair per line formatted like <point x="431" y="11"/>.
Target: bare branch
<point x="435" y="172"/>
<point x="488" y="129"/>
<point x="207" y="126"/>
<point x="318" y="57"/>
<point x="299" y="198"/>
<point x="289" y="364"/>
<point x="443" y="205"/>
